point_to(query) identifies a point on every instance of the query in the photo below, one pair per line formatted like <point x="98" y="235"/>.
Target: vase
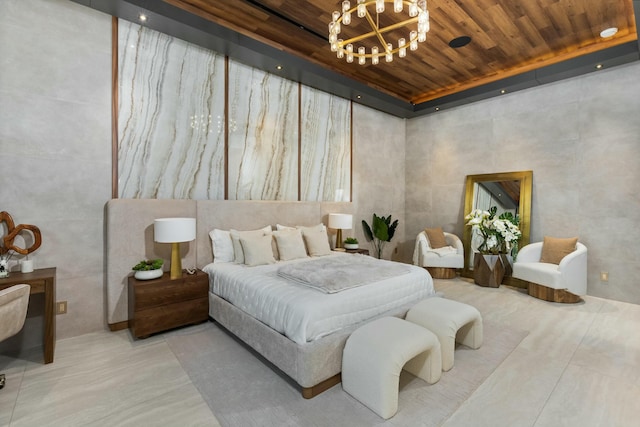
<point x="351" y="246"/>
<point x="4" y="267"/>
<point x="488" y="270"/>
<point x="148" y="274"/>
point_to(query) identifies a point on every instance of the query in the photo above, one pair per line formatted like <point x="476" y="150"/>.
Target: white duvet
<point x="305" y="314"/>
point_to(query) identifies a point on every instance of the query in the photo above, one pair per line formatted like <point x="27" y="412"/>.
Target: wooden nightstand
<point x="357" y="251"/>
<point x="160" y="304"/>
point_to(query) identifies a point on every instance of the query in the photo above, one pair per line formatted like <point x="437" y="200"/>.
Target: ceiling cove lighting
<point x="415" y="16"/>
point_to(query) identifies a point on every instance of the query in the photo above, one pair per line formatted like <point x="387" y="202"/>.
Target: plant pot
<point x="351" y="246"/>
<point x="488" y="270"/>
<point x="148" y="274"/>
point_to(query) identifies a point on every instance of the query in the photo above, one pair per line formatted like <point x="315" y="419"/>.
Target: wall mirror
<point x="508" y="191"/>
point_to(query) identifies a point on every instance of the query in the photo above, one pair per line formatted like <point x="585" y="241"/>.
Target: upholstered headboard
<point x="129" y="229"/>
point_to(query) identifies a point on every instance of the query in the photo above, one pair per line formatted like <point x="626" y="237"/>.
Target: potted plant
<point x="380" y="232"/>
<point x="148" y="269"/>
<point x="351" y="243"/>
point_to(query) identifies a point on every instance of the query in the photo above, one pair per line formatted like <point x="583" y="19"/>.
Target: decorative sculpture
<point x="8" y="241"/>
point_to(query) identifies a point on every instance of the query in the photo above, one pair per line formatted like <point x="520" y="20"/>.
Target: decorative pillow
<point x="280" y="227"/>
<point x="257" y="250"/>
<point x="290" y="244"/>
<point x="222" y="245"/>
<point x="554" y="249"/>
<point x="317" y="242"/>
<point x="319" y="227"/>
<point x="436" y="237"/>
<point x="235" y="238"/>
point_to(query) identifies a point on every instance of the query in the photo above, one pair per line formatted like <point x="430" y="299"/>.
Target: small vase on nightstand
<point x="351" y="246"/>
<point x="148" y="274"/>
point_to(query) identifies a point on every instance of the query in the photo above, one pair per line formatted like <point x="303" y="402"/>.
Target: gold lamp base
<point x="339" y="238"/>
<point x="176" y="261"/>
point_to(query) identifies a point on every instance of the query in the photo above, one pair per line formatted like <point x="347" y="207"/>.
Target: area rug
<point x="243" y="389"/>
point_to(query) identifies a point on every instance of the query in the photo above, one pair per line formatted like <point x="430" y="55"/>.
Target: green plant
<point x="150" y="264"/>
<point x="380" y="232"/>
<point x="351" y="241"/>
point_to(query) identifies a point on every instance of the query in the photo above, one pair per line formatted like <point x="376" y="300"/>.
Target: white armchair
<point x="13" y="312"/>
<point x="564" y="282"/>
<point x="442" y="262"/>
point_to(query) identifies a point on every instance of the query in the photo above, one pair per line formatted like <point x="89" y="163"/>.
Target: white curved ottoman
<point x="451" y="321"/>
<point x="375" y="354"/>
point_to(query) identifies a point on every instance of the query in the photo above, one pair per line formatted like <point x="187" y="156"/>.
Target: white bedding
<point x="304" y="314"/>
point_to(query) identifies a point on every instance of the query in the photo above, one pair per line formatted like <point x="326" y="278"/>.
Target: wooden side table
<point x="42" y="281"/>
<point x="357" y="251"/>
<point x="160" y="304"/>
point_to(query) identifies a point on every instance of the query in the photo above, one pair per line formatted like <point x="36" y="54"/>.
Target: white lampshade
<point x="173" y="230"/>
<point x="340" y="221"/>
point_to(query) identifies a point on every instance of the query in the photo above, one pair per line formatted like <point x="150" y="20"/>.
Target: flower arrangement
<point x="500" y="235"/>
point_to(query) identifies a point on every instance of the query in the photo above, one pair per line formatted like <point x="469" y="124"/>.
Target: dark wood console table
<point x="42" y="281"/>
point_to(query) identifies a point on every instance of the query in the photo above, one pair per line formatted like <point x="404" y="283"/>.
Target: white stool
<point x="451" y="321"/>
<point x="375" y="354"/>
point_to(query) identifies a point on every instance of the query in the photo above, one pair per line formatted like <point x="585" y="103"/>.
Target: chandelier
<point x="417" y="19"/>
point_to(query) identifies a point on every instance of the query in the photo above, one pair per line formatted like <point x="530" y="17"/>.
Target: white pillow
<point x="222" y="246"/>
<point x="280" y="227"/>
<point x="257" y="250"/>
<point x="317" y="242"/>
<point x="235" y="238"/>
<point x="290" y="244"/>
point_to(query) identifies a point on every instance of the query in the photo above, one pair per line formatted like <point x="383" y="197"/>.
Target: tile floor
<point x="579" y="366"/>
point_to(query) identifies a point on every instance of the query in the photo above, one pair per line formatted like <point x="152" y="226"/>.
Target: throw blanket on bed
<point x="335" y="274"/>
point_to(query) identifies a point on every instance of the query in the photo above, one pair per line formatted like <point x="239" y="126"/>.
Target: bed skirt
<point x="307" y="364"/>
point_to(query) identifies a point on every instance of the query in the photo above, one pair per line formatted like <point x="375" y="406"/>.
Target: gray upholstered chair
<point x="13" y="312"/>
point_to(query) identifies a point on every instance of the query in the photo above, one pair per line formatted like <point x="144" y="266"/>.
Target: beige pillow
<point x="290" y="244"/>
<point x="257" y="250"/>
<point x="222" y="246"/>
<point x="235" y="238"/>
<point x="436" y="237"/>
<point x="317" y="242"/>
<point x="554" y="249"/>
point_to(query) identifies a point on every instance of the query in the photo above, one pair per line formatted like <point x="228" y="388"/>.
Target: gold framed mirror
<point x="509" y="191"/>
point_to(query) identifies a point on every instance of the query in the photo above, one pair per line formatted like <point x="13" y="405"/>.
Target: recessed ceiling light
<point x="142" y="17"/>
<point x="608" y="32"/>
<point x="359" y="96"/>
<point x="437" y="108"/>
<point x="503" y="91"/>
<point x="460" y="42"/>
<point x="599" y="66"/>
<point x="278" y="67"/>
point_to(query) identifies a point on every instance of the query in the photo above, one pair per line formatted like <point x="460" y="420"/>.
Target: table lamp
<point x="174" y="231"/>
<point x="340" y="222"/>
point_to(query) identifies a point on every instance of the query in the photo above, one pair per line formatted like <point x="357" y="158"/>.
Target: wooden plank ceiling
<point x="507" y="38"/>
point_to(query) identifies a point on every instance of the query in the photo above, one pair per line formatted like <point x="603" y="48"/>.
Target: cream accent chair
<point x="439" y="263"/>
<point x="564" y="282"/>
<point x="13" y="312"/>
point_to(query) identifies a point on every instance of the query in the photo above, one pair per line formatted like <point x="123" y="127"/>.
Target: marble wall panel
<point x="325" y="157"/>
<point x="263" y="135"/>
<point x="171" y="117"/>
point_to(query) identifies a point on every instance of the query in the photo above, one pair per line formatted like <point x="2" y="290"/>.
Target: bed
<point x="302" y="330"/>
<point x="313" y="364"/>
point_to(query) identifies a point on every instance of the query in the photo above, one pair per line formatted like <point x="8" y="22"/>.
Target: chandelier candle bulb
<point x="402" y="46"/>
<point x="361" y="59"/>
<point x="374" y="55"/>
<point x="397" y="6"/>
<point x="380" y="6"/>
